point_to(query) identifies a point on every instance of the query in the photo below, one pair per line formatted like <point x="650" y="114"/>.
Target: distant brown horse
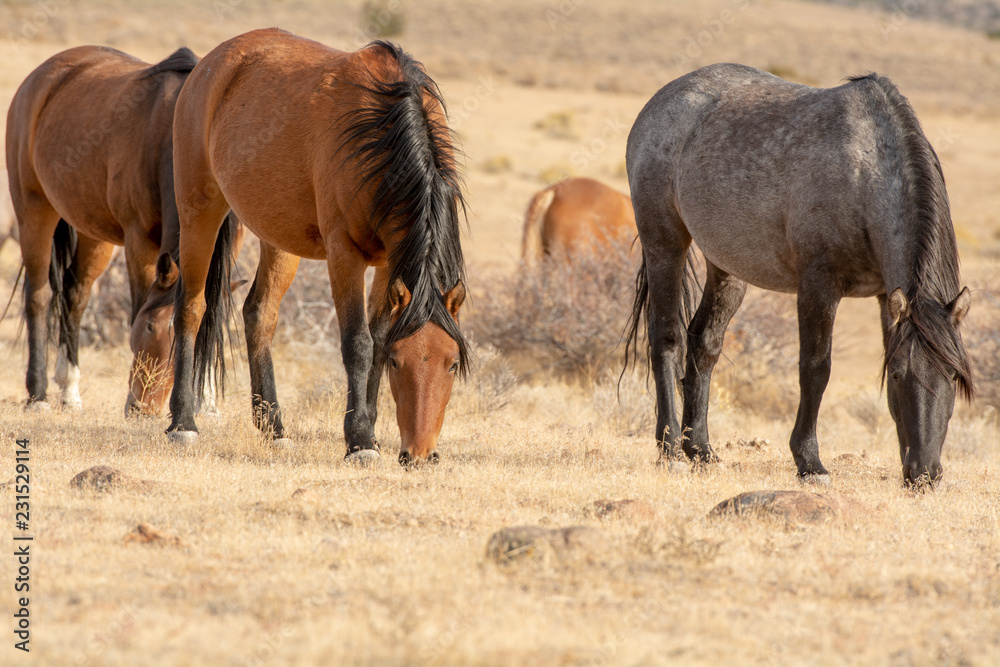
<point x="337" y="156"/>
<point x="89" y="160"/>
<point x="576" y="213"/>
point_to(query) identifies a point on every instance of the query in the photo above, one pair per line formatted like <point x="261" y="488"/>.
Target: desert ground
<point x="252" y="555"/>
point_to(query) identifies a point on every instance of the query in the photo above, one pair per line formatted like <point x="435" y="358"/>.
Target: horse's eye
<point x="894" y="375"/>
<point x="392" y="363"/>
<point x="149" y="327"/>
<point x="454" y="367"/>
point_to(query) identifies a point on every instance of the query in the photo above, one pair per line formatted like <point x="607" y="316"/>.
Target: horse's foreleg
<point x="275" y="273"/>
<point x="723" y="296"/>
<point x="91" y="259"/>
<point x="817" y="310"/>
<point x="378" y="325"/>
<point x="141" y="253"/>
<point x="347" y="282"/>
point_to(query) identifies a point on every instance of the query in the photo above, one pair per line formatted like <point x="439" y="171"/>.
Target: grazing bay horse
<point x="326" y="155"/>
<point x="825" y="193"/>
<point x="577" y="213"/>
<point x="90" y="166"/>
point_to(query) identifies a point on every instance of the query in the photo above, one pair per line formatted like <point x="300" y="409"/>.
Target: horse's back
<point x="87" y="129"/>
<point x="263" y="116"/>
<point x="586" y="211"/>
<point x="759" y="170"/>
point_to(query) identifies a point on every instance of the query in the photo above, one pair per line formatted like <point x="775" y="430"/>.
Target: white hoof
<point x="38" y="406"/>
<point x="72" y="403"/>
<point x="185" y="438"/>
<point x="363" y="457"/>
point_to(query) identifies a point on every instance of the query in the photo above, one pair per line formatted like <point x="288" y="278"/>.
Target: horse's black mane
<point x="933" y="260"/>
<point x="410" y="154"/>
<point x="182" y="60"/>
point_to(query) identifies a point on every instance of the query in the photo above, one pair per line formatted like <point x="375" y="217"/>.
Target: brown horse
<point x="337" y="156"/>
<point x="89" y="159"/>
<point x="577" y="213"/>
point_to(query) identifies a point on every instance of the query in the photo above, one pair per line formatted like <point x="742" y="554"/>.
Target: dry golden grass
<point x="382" y="565"/>
<point x="290" y="557"/>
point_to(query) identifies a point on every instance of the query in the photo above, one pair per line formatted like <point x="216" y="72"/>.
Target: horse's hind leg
<point x="817" y="309"/>
<point x="91" y="259"/>
<point x="665" y="243"/>
<point x="275" y="273"/>
<point x="37" y="223"/>
<point x="723" y="296"/>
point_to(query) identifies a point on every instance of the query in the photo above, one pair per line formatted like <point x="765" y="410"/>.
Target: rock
<point x="106" y="478"/>
<point x="305" y="494"/>
<point x="147" y="534"/>
<point x="626" y="509"/>
<point x="519" y="542"/>
<point x="793" y="506"/>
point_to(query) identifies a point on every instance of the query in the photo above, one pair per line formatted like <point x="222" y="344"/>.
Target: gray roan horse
<point x="827" y="193"/>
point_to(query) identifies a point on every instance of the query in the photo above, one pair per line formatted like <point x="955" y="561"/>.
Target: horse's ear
<point x="454" y="298"/>
<point x="959" y="307"/>
<point x="399" y="296"/>
<point x="899" y="306"/>
<point x="166" y="272"/>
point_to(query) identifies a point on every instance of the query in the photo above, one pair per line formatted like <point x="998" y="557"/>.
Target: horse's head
<point x="152" y="375"/>
<point x="925" y="363"/>
<point x="422" y="369"/>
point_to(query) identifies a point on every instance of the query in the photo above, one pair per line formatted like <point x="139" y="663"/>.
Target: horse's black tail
<point x="210" y="344"/>
<point x="62" y="280"/>
<point x="639" y="320"/>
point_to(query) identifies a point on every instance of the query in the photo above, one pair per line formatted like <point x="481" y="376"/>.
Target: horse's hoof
<point x="363" y="457"/>
<point x="72" y="403"/>
<point x="822" y="479"/>
<point x="38" y="406"/>
<point x="183" y="438"/>
<point x="282" y="443"/>
<point x="673" y="466"/>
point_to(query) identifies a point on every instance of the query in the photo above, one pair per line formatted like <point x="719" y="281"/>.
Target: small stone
<point x="147" y="534"/>
<point x="106" y="478"/>
<point x="793" y="506"/>
<point x="305" y="494"/>
<point x="536" y="541"/>
<point x="625" y="509"/>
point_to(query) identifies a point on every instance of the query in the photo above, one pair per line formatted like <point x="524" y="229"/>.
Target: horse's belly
<point x="760" y="256"/>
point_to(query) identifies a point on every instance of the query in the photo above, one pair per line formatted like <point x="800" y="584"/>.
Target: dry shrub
<point x="565" y="316"/>
<point x="759" y="370"/>
<point x="982" y="340"/>
<point x="627" y="404"/>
